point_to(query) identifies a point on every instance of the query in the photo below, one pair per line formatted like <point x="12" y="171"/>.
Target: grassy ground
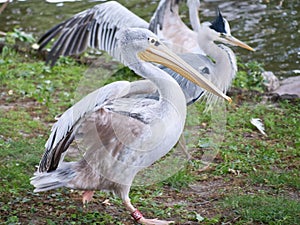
<point x="253" y="179"/>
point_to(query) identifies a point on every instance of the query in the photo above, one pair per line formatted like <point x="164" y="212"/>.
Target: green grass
<point x="246" y="149"/>
<point x="277" y="179"/>
<point x="252" y="179"/>
<point x="263" y="209"/>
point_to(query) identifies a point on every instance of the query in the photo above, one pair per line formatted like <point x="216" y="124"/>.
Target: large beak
<point x="159" y="53"/>
<point x="234" y="41"/>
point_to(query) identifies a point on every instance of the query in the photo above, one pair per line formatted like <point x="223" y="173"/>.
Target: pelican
<point x="119" y="134"/>
<point x="94" y="28"/>
<point x="97" y="28"/>
<point x="218" y="61"/>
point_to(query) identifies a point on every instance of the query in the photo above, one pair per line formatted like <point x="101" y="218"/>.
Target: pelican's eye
<point x="154" y="41"/>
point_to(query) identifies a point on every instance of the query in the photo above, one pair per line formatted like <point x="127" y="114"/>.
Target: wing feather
<point x="95" y="28"/>
<point x="57" y="48"/>
<point x="62" y="131"/>
<point x="157" y="20"/>
<point x="47" y="37"/>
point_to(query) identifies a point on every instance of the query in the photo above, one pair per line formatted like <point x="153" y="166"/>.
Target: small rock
<point x="270" y="80"/>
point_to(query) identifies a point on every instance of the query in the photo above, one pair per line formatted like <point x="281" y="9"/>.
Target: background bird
<point x="167" y="24"/>
<point x="217" y="60"/>
<point x="119" y="133"/>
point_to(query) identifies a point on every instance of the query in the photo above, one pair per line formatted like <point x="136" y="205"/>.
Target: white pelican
<point x="118" y="133"/>
<point x="96" y="28"/>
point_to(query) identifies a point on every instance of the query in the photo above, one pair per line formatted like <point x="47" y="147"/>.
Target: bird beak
<point x="234" y="41"/>
<point x="159" y="53"/>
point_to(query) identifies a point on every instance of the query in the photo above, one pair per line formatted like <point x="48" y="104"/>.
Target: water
<point x="272" y="30"/>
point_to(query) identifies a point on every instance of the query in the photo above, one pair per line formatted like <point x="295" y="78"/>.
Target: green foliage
<point x="249" y="76"/>
<point x="7" y="55"/>
<point x="17" y="35"/>
<point x="245" y="154"/>
<point x="123" y="73"/>
<point x="18" y="163"/>
<point x="22" y="123"/>
<point x="277" y="179"/>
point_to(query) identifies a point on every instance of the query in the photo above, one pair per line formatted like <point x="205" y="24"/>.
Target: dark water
<point x="272" y="30"/>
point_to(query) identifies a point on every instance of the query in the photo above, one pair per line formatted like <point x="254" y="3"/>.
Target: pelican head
<point x="141" y="45"/>
<point x="219" y="30"/>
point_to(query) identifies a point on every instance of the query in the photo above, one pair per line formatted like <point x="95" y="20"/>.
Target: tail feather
<point x="51" y="180"/>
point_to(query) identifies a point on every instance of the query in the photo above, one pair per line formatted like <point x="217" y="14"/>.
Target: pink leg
<point x="138" y="217"/>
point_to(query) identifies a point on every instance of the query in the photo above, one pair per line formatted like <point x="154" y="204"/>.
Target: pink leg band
<point x="137" y="215"/>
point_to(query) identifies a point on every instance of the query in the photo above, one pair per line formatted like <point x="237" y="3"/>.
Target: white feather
<point x="259" y="125"/>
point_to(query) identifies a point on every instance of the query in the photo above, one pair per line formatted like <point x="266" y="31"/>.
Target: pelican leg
<point x="138" y="217"/>
<point x="182" y="146"/>
<point x="87" y="197"/>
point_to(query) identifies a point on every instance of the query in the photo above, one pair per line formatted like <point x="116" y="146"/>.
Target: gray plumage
<point x="218" y="59"/>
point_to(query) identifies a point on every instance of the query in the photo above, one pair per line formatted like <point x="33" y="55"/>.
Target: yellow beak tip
<point x="229" y="100"/>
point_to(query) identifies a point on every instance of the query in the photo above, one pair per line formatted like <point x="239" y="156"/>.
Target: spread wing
<point x="95" y="27"/>
<point x="157" y="20"/>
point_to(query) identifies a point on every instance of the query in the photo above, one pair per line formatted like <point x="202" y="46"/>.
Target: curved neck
<point x="193" y="13"/>
<point x="225" y="66"/>
<point x="168" y="88"/>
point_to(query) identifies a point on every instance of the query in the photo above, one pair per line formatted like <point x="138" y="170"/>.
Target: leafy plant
<point x="18" y="35"/>
<point x="249" y="76"/>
